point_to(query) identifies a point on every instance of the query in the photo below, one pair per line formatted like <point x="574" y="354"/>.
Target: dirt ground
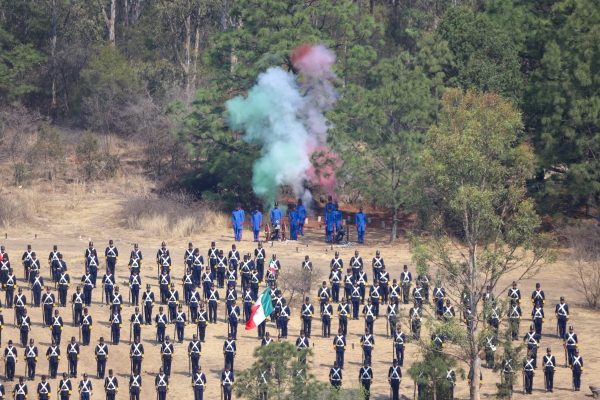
<point x="96" y="218"/>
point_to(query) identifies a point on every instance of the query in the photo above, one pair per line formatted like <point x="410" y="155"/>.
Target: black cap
<point x="355" y="251"/>
<point x="576" y="350"/>
<point x="135" y="245"/>
<point x="160" y="308"/>
<point x="301" y="332"/>
<point x="514" y="283"/>
<point x="570" y="327"/>
<point x="31" y="340"/>
<point x="55" y="247"/>
<point x="405" y="266"/>
<point x="110" y="371"/>
<point x="335" y="363"/>
<point x="163" y="244"/>
<point x="21" y="379"/>
<point x="64" y="374"/>
<point x="190" y="244"/>
<point x="90" y="243"/>
<point x="28" y="246"/>
<point x="537" y="285"/>
<point x="548" y="350"/>
<point x="72" y="338"/>
<point x="110" y="241"/>
<point x="138" y="309"/>
<point x="395" y="361"/>
<point x="562" y="297"/>
<point x="276" y="203"/>
<point x="238" y="205"/>
<point x="33" y="254"/>
<point x="212" y="243"/>
<point x="147" y="286"/>
<point x="101" y="338"/>
<point x="10" y="342"/>
<point x="307" y="299"/>
<point x="531" y="327"/>
<point x="167" y="337"/>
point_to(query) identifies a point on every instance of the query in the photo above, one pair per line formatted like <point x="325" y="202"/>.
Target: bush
<point x="173" y="215"/>
<point x="585" y="256"/>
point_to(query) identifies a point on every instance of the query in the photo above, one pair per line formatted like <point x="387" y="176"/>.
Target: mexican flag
<point x="260" y="310"/>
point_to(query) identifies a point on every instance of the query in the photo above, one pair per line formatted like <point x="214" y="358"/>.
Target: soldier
<point x="378" y="265"/>
<point x="167" y="352"/>
<point x="343" y="313"/>
<point x="307" y="315"/>
<point x="532" y="340"/>
<point x="514" y="293"/>
<point x="4" y="266"/>
<point x="329" y="219"/>
<point x="197" y="267"/>
<point x="326" y="318"/>
<point x="494" y="319"/>
<point x="336" y="261"/>
<point x="77" y="301"/>
<point x="10" y="285"/>
<point x="451" y="380"/>
<point x="221" y="267"/>
<point x="440" y="296"/>
<point x="53" y="357"/>
<point x="335" y="375"/>
<point x="116" y="322"/>
<point x="180" y="323"/>
<point x="24" y="327"/>
<point x="367" y="342"/>
<point x="57" y="327"/>
<point x="273" y="294"/>
<point x="37" y="286"/>
<point x="307" y="264"/>
<point x="274" y="265"/>
<point x="549" y="366"/>
<point x="395" y="378"/>
<point x="576" y="365"/>
<point x="405" y="282"/>
<point x="490" y="349"/>
<point x="194" y="352"/>
<point x="437" y="341"/>
<point x="537" y="316"/>
<point x="172" y="302"/>
<point x="88" y="285"/>
<point x="188" y="258"/>
<point x="529" y="372"/>
<point x="357" y="298"/>
<point x="213" y="254"/>
<point x="229" y="350"/>
<point x="43" y="389"/>
<point x="230" y="297"/>
<point x="227" y="381"/>
<point x="31" y="357"/>
<point x="161" y="383"/>
<point x="339" y="344"/>
<point x="365" y="378"/>
<point x="135" y="282"/>
<point x="423" y="278"/>
<point x="257" y="222"/>
<point x="194" y="303"/>
<point x="85" y="387"/>
<point x="508" y="373"/>
<point x="198" y="383"/>
<point x="515" y="315"/>
<point x="335" y="277"/>
<point x="369" y="314"/>
<point x="48" y="304"/>
<point x="259" y="260"/>
<point x="394" y="292"/>
<point x="161" y="322"/>
<point x="245" y="271"/>
<point x="537" y="296"/>
<point x="249" y="299"/>
<point x="213" y="303"/>
<point x="137" y="253"/>
<point x="73" y="354"/>
<point x="148" y="301"/>
<point x="207" y="280"/>
<point x="26" y="261"/>
<point x="64" y="282"/>
<point x="356" y="263"/>
<point x="449" y="312"/>
<point x="136" y="355"/>
<point x="163" y="254"/>
<point x="233" y="317"/>
<point x="164" y="282"/>
<point x="92" y="264"/>
<point x="65" y="387"/>
<point x="20" y="390"/>
<point x="488" y="296"/>
<point x="293" y="222"/>
<point x="101" y="355"/>
<point x="237" y="221"/>
<point x="415" y="314"/>
<point x="86" y="327"/>
<point x="20" y="302"/>
<point x="400" y="344"/>
<point x="384" y="280"/>
<point x="339" y="224"/>
<point x="135" y="323"/>
<point x="375" y="296"/>
<point x="562" y="316"/>
<point x="10" y="360"/>
<point x="266" y="340"/>
<point x="135" y="386"/>
<point x="278" y="305"/>
<point x="111" y="386"/>
<point x="134" y="263"/>
<point x="116" y="302"/>
<point x="417" y="294"/>
<point x="201" y="322"/>
<point x="362" y="283"/>
<point x="570" y="343"/>
<point x="301" y="344"/>
<point x="348" y="283"/>
<point x="111" y="254"/>
<point x="284" y="317"/>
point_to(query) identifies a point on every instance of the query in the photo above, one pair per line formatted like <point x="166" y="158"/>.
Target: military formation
<point x="234" y="279"/>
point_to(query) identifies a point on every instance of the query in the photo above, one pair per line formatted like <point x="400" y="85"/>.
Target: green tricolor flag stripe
<point x="260" y="310"/>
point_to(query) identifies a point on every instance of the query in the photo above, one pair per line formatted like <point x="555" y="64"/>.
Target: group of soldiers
<point x="296" y="218"/>
<point x="200" y="286"/>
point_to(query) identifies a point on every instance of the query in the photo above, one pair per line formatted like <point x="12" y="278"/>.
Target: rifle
<point x="129" y="294"/>
<point x="189" y="365"/>
<point x="73" y="313"/>
<point x="557" y="328"/>
<point x="387" y="331"/>
<point x="566" y="358"/>
<point x="80" y="334"/>
<point x="523" y="382"/>
<point x="415" y="391"/>
<point x="545" y="381"/>
<point x="102" y="293"/>
<point x="130" y="331"/>
<point x="221" y="391"/>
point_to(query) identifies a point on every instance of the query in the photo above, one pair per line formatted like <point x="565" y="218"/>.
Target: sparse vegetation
<point x="584" y="240"/>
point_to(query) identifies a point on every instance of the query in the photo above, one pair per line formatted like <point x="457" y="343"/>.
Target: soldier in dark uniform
<point x="400" y="344"/>
<point x="198" y="383"/>
<point x="10" y="285"/>
<point x="562" y="316"/>
<point x="57" y="327"/>
<point x="549" y="366"/>
<point x="116" y="322"/>
<point x="26" y="261"/>
<point x="164" y="281"/>
<point x="161" y="322"/>
<point x="20" y="302"/>
<point x="259" y="260"/>
<point x="367" y="342"/>
<point x="229" y="350"/>
<point x="538" y="296"/>
<point x="369" y="314"/>
<point x="65" y="387"/>
<point x="451" y="380"/>
<point x="135" y="283"/>
<point x="161" y="383"/>
<point x="529" y="372"/>
<point x="135" y="323"/>
<point x="135" y="386"/>
<point x="111" y="386"/>
<point x="213" y="254"/>
<point x="538" y="318"/>
<point x="576" y="366"/>
<point x="365" y="378"/>
<point x="77" y="301"/>
<point x="570" y="343"/>
<point x="301" y="344"/>
<point x="227" y="381"/>
<point x="148" y="302"/>
<point x="64" y="282"/>
<point x="53" y="357"/>
<point x="326" y="318"/>
<point x="335" y="375"/>
<point x="195" y="352"/>
<point x="307" y="315"/>
<point x="384" y="281"/>
<point x="48" y="303"/>
<point x="180" y="323"/>
<point x="343" y="312"/>
<point x="414" y="315"/>
<point x="24" y="327"/>
<point x="10" y="360"/>
<point x="233" y="318"/>
<point x="514" y="315"/>
<point x="339" y="344"/>
<point x="101" y="355"/>
<point x="532" y="339"/>
<point x="85" y="387"/>
<point x="395" y="378"/>
<point x="111" y="254"/>
<point x="31" y="357"/>
<point x="136" y="354"/>
<point x="167" y="352"/>
<point x="201" y="322"/>
<point x="73" y="354"/>
<point x="284" y="317"/>
<point x="86" y="327"/>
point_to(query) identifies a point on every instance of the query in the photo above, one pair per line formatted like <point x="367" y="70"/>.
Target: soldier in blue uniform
<point x="135" y="282"/>
<point x="293" y="223"/>
<point x="562" y="315"/>
<point x="53" y="357"/>
<point x="111" y="386"/>
<point x="10" y="360"/>
<point x="116" y="322"/>
<point x="361" y="224"/>
<point x="229" y="350"/>
<point x="73" y="354"/>
<point x="161" y="384"/>
<point x="65" y="388"/>
<point x="135" y="386"/>
<point x="85" y="388"/>
<point x="111" y="254"/>
<point x="161" y="322"/>
<point x="339" y="344"/>
<point x="148" y="301"/>
<point x="180" y="323"/>
<point x="227" y="381"/>
<point x="197" y="266"/>
<point x="136" y="354"/>
<point x="276" y="219"/>
<point x="365" y="378"/>
<point x="238" y="218"/>
<point x="198" y="383"/>
<point x="339" y="224"/>
<point x="576" y="366"/>
<point x="86" y="327"/>
<point x="108" y="284"/>
<point x="329" y="219"/>
<point x="284" y="317"/>
<point x="256" y="223"/>
<point x="301" y="216"/>
<point x="101" y="356"/>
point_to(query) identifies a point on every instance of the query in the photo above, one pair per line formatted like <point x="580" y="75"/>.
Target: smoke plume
<point x="284" y="114"/>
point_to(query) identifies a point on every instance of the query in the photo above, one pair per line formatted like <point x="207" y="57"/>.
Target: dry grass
<point x="173" y="215"/>
<point x="20" y="206"/>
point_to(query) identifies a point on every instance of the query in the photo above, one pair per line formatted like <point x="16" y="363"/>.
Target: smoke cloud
<point x="284" y="114"/>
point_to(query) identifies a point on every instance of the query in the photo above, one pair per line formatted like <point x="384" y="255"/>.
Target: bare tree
<point x="109" y="20"/>
<point x="585" y="256"/>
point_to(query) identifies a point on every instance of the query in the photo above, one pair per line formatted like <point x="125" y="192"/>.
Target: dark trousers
<point x="355" y="305"/>
<point x="400" y="354"/>
<point x="366" y="384"/>
<point x="87" y="294"/>
<point x="562" y="326"/>
<point x="10" y="370"/>
<point x="344" y="324"/>
<point x="335" y="292"/>
<point x="167" y="360"/>
<point x="367" y="354"/>
<point x="576" y="379"/>
<point x="229" y="357"/>
<point x="198" y="393"/>
<point x="101" y="368"/>
<point x="31" y="364"/>
<point x="262" y="327"/>
<point x="306" y="325"/>
<point x="160" y="334"/>
<point x="202" y="330"/>
<point x="148" y="313"/>
<point x="134" y="393"/>
<point x="283" y="324"/>
<point x="227" y="390"/>
<point x="339" y="356"/>
<point x="212" y="311"/>
<point x="528" y="381"/>
<point x="86" y="334"/>
<point x="395" y="384"/>
<point x="549" y="378"/>
<point x="326" y="320"/>
<point x="136" y="365"/>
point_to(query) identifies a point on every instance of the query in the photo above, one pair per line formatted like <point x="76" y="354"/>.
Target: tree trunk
<point x="394" y="225"/>
<point x="53" y="53"/>
<point x="110" y="21"/>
